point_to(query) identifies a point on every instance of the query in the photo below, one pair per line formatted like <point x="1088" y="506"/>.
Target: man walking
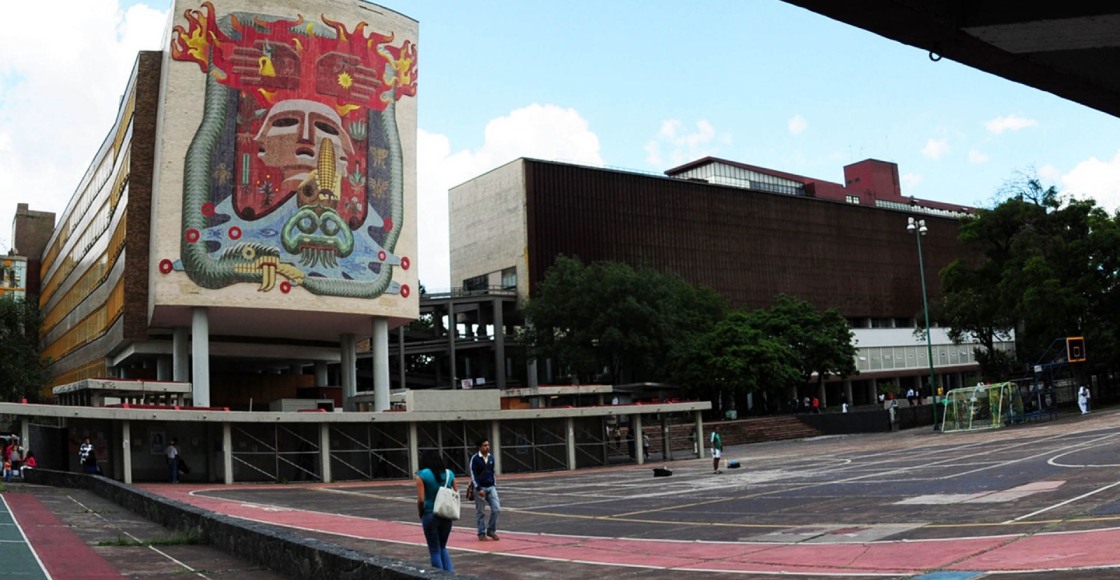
<point x="717" y="449"/>
<point x="172" y="454"/>
<point x="485" y="491"/>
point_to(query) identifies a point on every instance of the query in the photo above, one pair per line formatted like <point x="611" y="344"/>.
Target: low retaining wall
<point x="285" y="552"/>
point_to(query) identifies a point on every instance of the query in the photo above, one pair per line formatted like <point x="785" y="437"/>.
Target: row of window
<point x="90" y="328"/>
<point x="76" y="215"/>
<point x="914" y="357"/>
<point x="97" y="273"/>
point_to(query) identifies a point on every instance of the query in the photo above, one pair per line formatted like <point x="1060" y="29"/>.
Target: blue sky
<point x="643" y="85"/>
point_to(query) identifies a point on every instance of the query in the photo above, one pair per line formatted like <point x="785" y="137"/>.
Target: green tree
<point x="738" y="358"/>
<point x="1045" y="267"/>
<point x="611" y="321"/>
<point x="22" y="372"/>
<point x="820" y="341"/>
<point x="770" y="351"/>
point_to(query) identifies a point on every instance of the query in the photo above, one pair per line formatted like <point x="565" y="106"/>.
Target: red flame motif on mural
<point x="285" y="59"/>
<point x="302" y="120"/>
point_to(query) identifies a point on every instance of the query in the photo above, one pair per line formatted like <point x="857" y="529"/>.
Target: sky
<point x="643" y="85"/>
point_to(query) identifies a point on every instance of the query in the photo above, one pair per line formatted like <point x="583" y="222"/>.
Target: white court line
<point x="25" y="540"/>
<point x="138" y="540"/>
<point x="1060" y="504"/>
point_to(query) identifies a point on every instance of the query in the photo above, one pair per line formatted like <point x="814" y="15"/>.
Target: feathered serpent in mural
<point x="296" y="170"/>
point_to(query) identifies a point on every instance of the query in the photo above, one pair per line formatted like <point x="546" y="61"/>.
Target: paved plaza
<point x="1041" y="499"/>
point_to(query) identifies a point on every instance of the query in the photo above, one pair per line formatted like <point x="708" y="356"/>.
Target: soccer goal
<point x="981" y="407"/>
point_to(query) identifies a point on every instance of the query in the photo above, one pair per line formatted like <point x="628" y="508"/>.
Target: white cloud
<point x="682" y="146"/>
<point x="797" y="125"/>
<point x="910" y="181"/>
<point x="1008" y="123"/>
<point x="977" y="157"/>
<point x="1097" y="179"/>
<point x="58" y="99"/>
<point x="936" y="148"/>
<point x="540" y="131"/>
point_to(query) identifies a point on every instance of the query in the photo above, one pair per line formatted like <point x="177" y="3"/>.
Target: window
<point x="509" y="278"/>
<point x="852" y="199"/>
<point x="476" y="283"/>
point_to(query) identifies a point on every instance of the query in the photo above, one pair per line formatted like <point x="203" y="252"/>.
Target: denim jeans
<point x="480" y="504"/>
<point x="436" y="532"/>
<point x="173" y="469"/>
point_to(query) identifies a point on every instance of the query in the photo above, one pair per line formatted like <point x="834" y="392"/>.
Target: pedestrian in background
<point x="432" y="476"/>
<point x="717" y="449"/>
<point x="486" y="491"/>
<point x="172" y="454"/>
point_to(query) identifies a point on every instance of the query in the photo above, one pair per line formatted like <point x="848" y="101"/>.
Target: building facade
<point x="252" y="210"/>
<point x="747" y="232"/>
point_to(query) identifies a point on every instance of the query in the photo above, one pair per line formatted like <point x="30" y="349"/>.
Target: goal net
<point x="981" y="407"/>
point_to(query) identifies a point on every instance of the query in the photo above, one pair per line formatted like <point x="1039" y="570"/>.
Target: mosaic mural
<point x="295" y="175"/>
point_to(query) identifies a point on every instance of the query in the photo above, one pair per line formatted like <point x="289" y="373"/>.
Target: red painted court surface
<point x="57" y="552"/>
<point x="1040" y="499"/>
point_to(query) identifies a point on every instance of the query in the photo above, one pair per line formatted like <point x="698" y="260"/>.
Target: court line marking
<point x="1068" y="501"/>
<point x="34" y="552"/>
<point x="138" y="540"/>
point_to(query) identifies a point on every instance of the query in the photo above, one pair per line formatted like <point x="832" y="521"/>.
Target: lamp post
<point x="918" y="228"/>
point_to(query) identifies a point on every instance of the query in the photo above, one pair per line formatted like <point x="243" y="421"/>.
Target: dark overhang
<point x="1070" y="49"/>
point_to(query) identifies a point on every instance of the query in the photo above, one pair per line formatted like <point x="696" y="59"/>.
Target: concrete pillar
<point x="349" y="371"/>
<point x="321" y="379"/>
<point x="400" y="358"/>
<point x="452" y="334"/>
<point x="636" y="431"/>
<point x="379" y="345"/>
<point x="227" y="453"/>
<point x="570" y="427"/>
<point x="325" y="452"/>
<point x="413" y="448"/>
<point x="181" y="357"/>
<point x="200" y="357"/>
<point x="532" y="373"/>
<point x="821" y="394"/>
<point x="126" y="451"/>
<point x="872" y="392"/>
<point x="499" y="345"/>
<point x="699" y="419"/>
<point x="496" y="445"/>
<point x="666" y="446"/>
<point x="848" y="392"/>
<point x="163" y="368"/>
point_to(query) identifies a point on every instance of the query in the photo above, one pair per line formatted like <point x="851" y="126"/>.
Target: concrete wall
<point x="487" y="226"/>
<point x="286" y="552"/>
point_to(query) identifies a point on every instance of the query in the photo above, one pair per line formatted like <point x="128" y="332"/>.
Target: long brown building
<point x="747" y="232"/>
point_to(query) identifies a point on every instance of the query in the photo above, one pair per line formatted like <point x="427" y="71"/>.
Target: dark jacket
<point x="482" y="470"/>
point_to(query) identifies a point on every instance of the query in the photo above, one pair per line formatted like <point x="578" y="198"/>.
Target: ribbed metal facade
<point x="749" y="246"/>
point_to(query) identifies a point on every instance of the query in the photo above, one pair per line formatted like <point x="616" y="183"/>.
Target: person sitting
<point x="28" y="463"/>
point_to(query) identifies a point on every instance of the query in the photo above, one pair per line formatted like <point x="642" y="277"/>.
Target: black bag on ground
<point x="662" y="472"/>
<point x="183" y="467"/>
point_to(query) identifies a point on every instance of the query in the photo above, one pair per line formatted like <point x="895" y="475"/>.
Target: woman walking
<point x="429" y="479"/>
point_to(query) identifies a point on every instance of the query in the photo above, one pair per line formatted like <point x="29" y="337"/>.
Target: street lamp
<point x="918" y="228"/>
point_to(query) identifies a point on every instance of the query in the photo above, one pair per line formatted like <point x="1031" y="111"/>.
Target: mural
<point x="295" y="175"/>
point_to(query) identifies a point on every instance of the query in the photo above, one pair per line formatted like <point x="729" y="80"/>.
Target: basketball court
<point x="1038" y="498"/>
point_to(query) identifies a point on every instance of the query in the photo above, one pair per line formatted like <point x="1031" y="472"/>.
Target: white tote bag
<point x="447" y="500"/>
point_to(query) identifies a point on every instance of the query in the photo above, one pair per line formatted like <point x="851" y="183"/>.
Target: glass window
<point x="509" y="278"/>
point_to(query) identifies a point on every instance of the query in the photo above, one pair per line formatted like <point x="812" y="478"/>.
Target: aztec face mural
<point x="295" y="175"/>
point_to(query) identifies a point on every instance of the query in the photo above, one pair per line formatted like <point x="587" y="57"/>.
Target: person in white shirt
<point x="172" y="453"/>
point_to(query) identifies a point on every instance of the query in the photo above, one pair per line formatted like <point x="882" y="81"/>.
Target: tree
<point x="1046" y="267"/>
<point x="736" y="357"/>
<point x="22" y="372"/>
<point x="820" y="342"/>
<point x="769" y="351"/>
<point x="611" y="321"/>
